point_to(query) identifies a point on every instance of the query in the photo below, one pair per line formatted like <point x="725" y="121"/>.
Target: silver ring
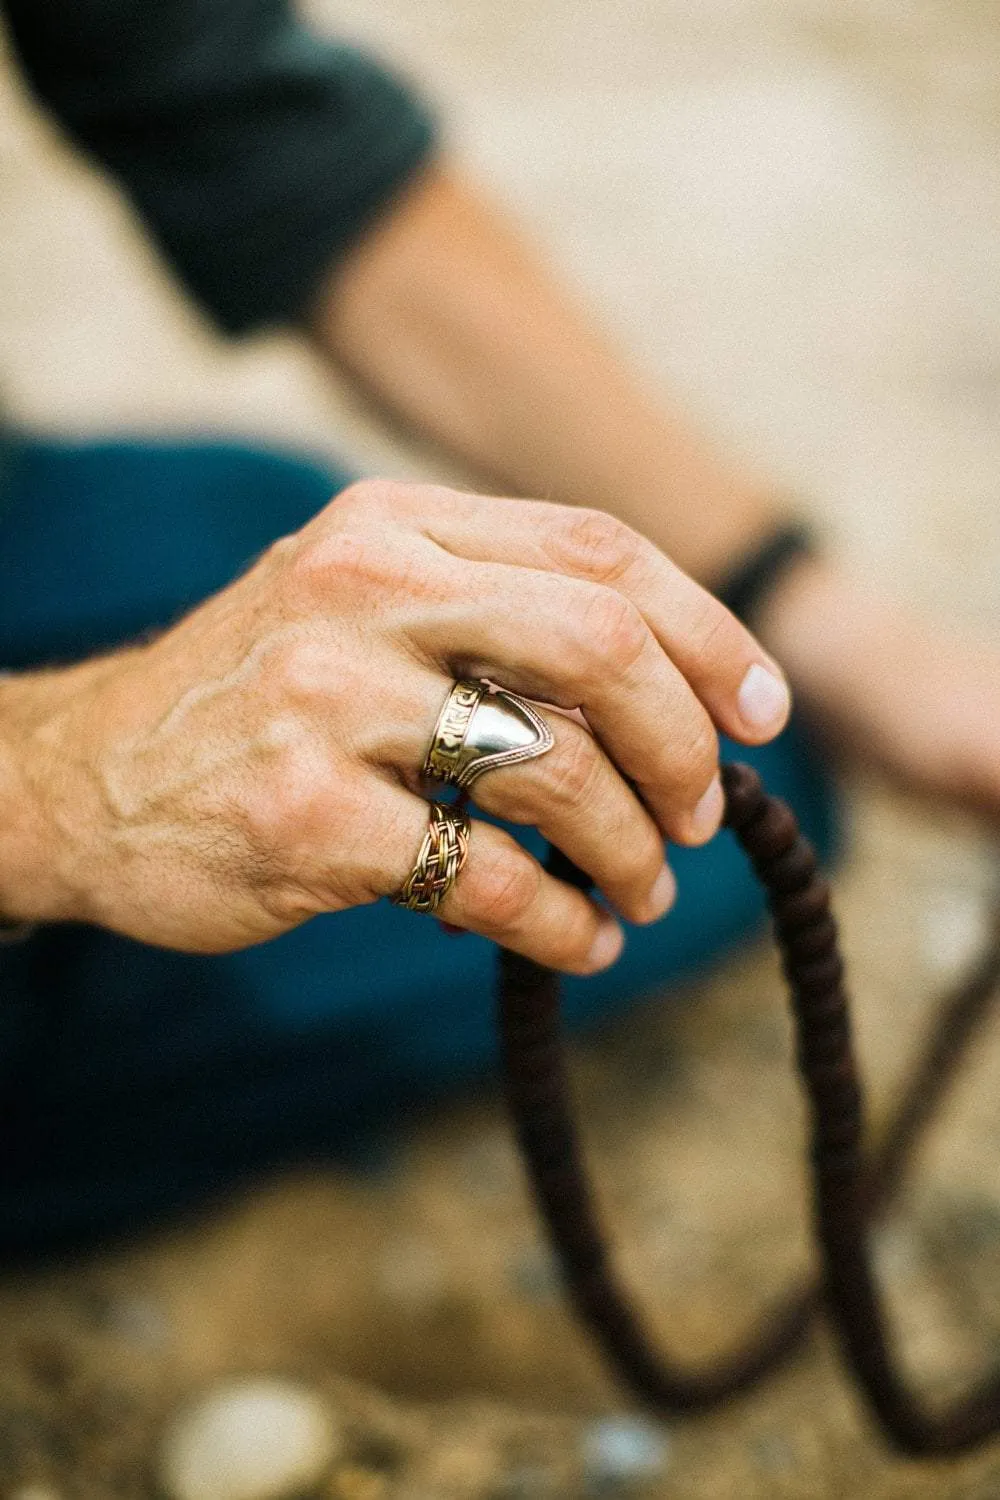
<point x="480" y="729"/>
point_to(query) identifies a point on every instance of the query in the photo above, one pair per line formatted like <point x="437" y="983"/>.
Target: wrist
<point x="47" y="798"/>
<point x="828" y="633"/>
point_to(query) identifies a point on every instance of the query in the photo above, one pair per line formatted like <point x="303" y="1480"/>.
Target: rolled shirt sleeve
<point x="256" y="151"/>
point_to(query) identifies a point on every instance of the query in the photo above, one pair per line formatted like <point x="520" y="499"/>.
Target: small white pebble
<point x="624" y="1450"/>
<point x="251" y="1439"/>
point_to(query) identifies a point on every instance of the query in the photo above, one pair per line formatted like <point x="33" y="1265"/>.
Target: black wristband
<point x="747" y="587"/>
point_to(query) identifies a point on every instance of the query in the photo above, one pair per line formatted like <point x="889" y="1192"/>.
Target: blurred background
<point x="788" y="211"/>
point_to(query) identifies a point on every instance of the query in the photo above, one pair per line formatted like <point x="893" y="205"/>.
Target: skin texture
<point x="256" y="764"/>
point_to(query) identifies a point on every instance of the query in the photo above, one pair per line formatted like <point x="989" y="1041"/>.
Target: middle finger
<point x="574" y="796"/>
<point x="582" y="645"/>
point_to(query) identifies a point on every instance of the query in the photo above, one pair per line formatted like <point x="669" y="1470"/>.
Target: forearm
<point x="455" y="327"/>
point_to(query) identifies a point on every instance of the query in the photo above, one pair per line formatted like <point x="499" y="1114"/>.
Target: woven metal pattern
<point x="442" y="855"/>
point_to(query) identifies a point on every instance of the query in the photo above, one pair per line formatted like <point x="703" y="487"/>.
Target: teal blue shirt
<point x="256" y="151"/>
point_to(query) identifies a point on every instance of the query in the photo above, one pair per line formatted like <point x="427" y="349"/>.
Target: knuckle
<point x="285" y="803"/>
<point x="695" y="753"/>
<point x="300" y="671"/>
<point x="719" y="635"/>
<point x="350" y="559"/>
<point x="506" y="889"/>
<point x="282" y="550"/>
<point x="347" y="538"/>
<point x="306" y="570"/>
<point x="403" y="503"/>
<point x="341" y="554"/>
<point x="595" y="544"/>
<point x="571" y="771"/>
<point x="367" y="496"/>
<point x="615" y="628"/>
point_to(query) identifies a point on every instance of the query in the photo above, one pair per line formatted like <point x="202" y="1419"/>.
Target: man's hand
<point x="259" y="762"/>
<point x="916" y="700"/>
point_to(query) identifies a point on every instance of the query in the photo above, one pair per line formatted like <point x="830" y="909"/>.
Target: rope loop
<point x="847" y="1190"/>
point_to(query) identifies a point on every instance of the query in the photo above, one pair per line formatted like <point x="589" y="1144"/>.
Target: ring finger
<point x="502" y="893"/>
<point x="576" y="798"/>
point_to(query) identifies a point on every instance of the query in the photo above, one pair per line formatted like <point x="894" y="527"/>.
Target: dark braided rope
<point x="845" y="1193"/>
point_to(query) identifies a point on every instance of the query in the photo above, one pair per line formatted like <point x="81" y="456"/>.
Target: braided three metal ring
<point x="438" y="865"/>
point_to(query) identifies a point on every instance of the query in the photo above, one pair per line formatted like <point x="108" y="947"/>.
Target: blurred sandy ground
<point x="788" y="210"/>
